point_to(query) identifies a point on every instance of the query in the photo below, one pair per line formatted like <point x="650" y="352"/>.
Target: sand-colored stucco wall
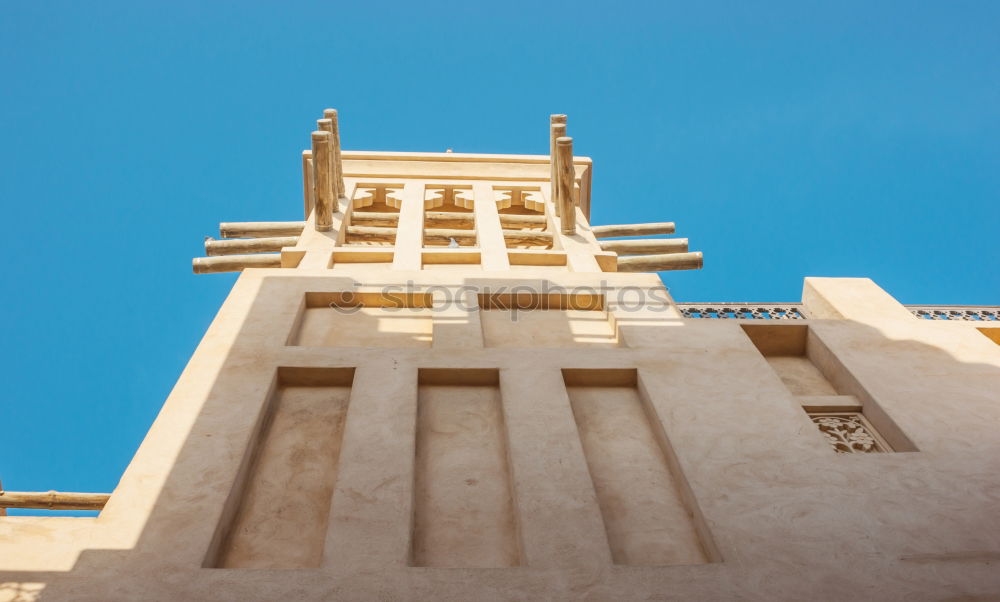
<point x="777" y="514"/>
<point x="609" y="453"/>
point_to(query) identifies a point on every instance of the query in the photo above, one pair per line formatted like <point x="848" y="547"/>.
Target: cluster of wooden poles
<point x="563" y="174"/>
<point x="258" y="244"/>
<point x="323" y="171"/>
<point x="649" y="255"/>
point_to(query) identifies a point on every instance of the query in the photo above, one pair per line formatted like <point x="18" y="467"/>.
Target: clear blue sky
<point x="786" y="139"/>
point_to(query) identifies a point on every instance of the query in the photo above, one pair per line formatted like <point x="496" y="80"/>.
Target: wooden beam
<point x="442" y="236"/>
<point x="661" y="263"/>
<point x="331" y="114"/>
<point x="646" y="246"/>
<point x="528" y="237"/>
<point x="322" y="167"/>
<point x="53" y="500"/>
<point x="235" y="263"/>
<point x="250" y="245"/>
<point x="522" y="221"/>
<point x="633" y="229"/>
<point x="372" y="233"/>
<point x="567" y="180"/>
<point x="308" y="187"/>
<point x="557" y="130"/>
<point x="446" y="219"/>
<point x="260" y="229"/>
<point x="374" y="218"/>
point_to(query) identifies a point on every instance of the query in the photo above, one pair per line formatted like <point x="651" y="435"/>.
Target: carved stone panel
<point x="849" y="432"/>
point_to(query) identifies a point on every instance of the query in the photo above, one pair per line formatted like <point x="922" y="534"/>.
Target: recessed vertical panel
<point x="284" y="501"/>
<point x="464" y="514"/>
<point x="644" y="513"/>
<point x="847" y="416"/>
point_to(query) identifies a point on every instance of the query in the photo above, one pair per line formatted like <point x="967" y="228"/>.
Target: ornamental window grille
<point x="970" y="314"/>
<point x="741" y="311"/>
<point x="849" y="432"/>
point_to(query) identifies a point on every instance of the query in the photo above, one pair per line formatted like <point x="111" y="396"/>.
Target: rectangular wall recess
<point x="843" y="411"/>
<point x="464" y="513"/>
<point x="537" y="319"/>
<point x="276" y="516"/>
<point x="649" y="513"/>
<point x="364" y="319"/>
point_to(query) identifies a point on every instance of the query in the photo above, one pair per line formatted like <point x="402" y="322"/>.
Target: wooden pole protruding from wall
<point x="260" y="229"/>
<point x="235" y="263"/>
<point x="661" y="263"/>
<point x="215" y="248"/>
<point x="557" y="129"/>
<point x="331" y="114"/>
<point x="633" y="229"/>
<point x="566" y="178"/>
<point x="53" y="500"/>
<point x="649" y="246"/>
<point x="308" y="186"/>
<point x="322" y="166"/>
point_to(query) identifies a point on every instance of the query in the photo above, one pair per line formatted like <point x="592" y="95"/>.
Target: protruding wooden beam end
<point x="234" y="263"/>
<point x="633" y="229"/>
<point x="661" y="263"/>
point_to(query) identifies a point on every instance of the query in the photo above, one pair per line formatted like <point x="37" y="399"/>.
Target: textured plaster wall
<point x="456" y="454"/>
<point x="770" y="512"/>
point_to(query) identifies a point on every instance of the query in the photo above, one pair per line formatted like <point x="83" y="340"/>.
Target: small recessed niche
<point x="364" y="319"/>
<point x="535" y="319"/>
<point x="449" y="217"/>
<point x="848" y="417"/>
<point x="522" y="218"/>
<point x="373" y="220"/>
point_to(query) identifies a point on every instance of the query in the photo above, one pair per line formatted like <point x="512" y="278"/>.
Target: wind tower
<point x="444" y="383"/>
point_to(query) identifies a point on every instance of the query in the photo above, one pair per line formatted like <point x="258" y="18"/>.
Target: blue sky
<point x="786" y="139"/>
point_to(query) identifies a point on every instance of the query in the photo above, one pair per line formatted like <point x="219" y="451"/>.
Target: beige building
<point x="446" y="384"/>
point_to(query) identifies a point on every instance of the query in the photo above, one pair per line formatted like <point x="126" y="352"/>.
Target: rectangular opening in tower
<point x="523" y="220"/>
<point x="842" y="410"/>
<point x="276" y="516"/>
<point x="449" y="217"/>
<point x="543" y="319"/>
<point x="364" y="319"/>
<point x="648" y="510"/>
<point x="373" y="221"/>
<point x="464" y="513"/>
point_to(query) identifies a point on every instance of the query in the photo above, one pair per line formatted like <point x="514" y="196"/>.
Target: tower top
<point x="406" y="210"/>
